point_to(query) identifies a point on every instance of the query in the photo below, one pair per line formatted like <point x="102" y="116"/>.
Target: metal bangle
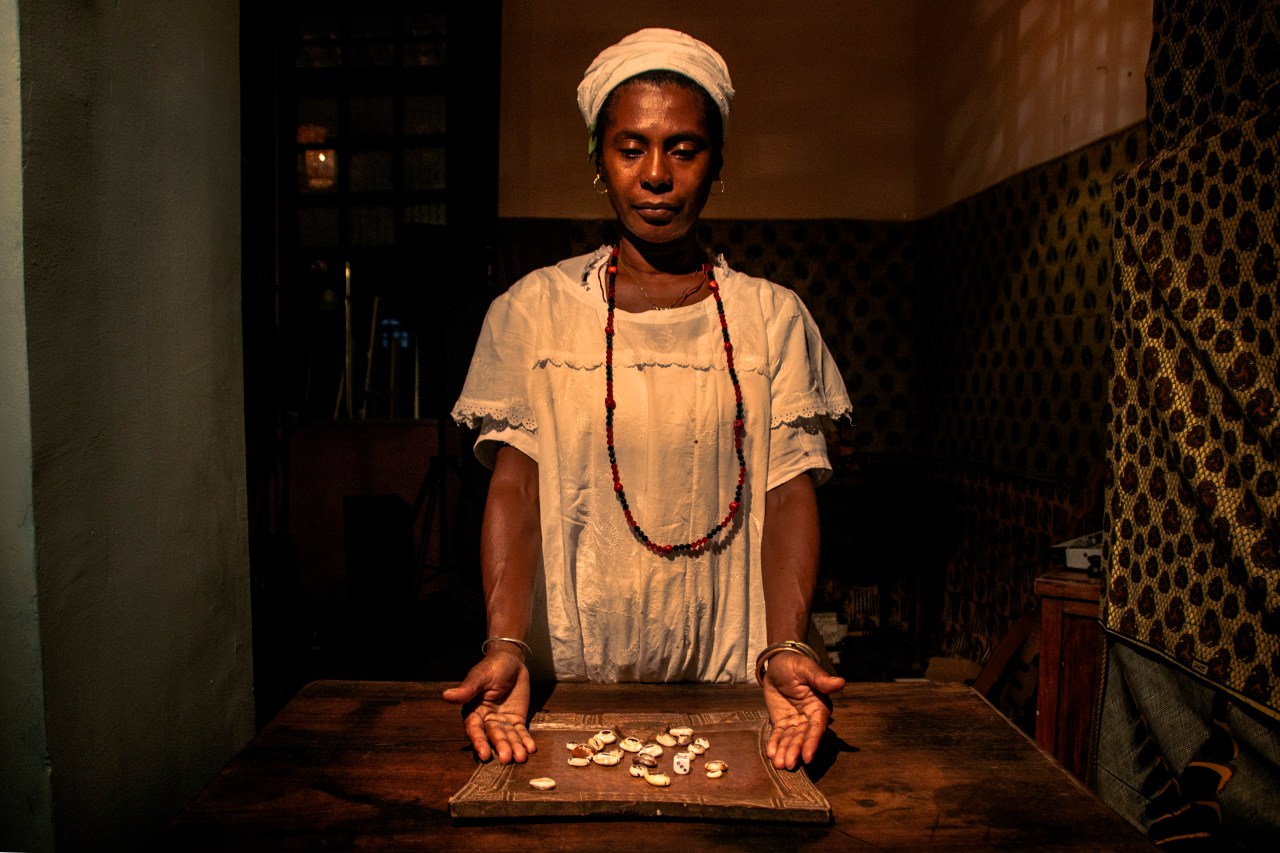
<point x="762" y="659"/>
<point x="524" y="647"/>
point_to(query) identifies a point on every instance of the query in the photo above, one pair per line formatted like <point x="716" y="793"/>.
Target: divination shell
<point x="606" y="736"/>
<point x="714" y="774"/>
<point x="715" y="765"/>
<point x="639" y="769"/>
<point x="606" y="759"/>
<point x="651" y="749"/>
<point x="681" y="731"/>
<point x="630" y="744"/>
<point x="658" y="780"/>
<point x="595" y="743"/>
<point x="582" y="750"/>
<point x="578" y="761"/>
<point x="683" y="740"/>
<point x="697" y="748"/>
<point x="571" y="745"/>
<point x="615" y="751"/>
<point x="646" y="760"/>
<point x="666" y="739"/>
<point x="702" y="742"/>
<point x="542" y="783"/>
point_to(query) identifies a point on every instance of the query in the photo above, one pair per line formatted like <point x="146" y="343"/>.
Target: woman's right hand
<point x="495" y="707"/>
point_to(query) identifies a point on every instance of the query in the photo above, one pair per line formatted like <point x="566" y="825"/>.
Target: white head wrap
<point x="654" y="49"/>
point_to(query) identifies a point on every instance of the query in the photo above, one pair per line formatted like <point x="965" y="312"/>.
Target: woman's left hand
<point x="795" y="695"/>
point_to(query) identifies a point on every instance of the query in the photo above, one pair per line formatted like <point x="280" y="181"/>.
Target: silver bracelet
<point x="762" y="659"/>
<point x="524" y="647"/>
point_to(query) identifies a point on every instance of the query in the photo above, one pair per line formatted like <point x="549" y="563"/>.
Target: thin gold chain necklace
<point x="679" y="301"/>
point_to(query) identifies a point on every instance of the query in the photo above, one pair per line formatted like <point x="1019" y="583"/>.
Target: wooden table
<point x="371" y="766"/>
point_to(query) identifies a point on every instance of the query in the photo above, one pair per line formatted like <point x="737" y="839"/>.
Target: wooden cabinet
<point x="1070" y="667"/>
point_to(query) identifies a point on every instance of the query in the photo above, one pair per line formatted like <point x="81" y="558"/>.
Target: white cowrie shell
<point x="606" y="759"/>
<point x="630" y="744"/>
<point x="681" y="731"/>
<point x="714" y="774"/>
<point x="658" y="780"/>
<point x="595" y="743"/>
<point x="715" y="765"/>
<point x="666" y="739"/>
<point x="571" y="745"/>
<point x="651" y="749"/>
<point x="702" y="742"/>
<point x="606" y="736"/>
<point x="542" y="783"/>
<point x="578" y="761"/>
<point x="696" y="748"/>
<point x="639" y="770"/>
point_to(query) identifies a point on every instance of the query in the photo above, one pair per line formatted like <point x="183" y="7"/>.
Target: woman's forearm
<point x="510" y="543"/>
<point x="789" y="557"/>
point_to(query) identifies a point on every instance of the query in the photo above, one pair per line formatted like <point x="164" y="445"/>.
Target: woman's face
<point x="657" y="161"/>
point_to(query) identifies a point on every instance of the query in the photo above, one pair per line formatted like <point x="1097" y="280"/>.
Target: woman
<point x="653" y="423"/>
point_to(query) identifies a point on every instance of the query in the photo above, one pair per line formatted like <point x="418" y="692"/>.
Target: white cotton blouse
<point x="605" y="607"/>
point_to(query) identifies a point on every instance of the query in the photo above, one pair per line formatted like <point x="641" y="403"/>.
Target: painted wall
<point x="25" y="793"/>
<point x="859" y="109"/>
<point x="1006" y="86"/>
<point x="131" y="198"/>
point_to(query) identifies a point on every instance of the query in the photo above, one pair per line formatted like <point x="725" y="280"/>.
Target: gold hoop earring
<point x="721" y="182"/>
<point x="601" y="188"/>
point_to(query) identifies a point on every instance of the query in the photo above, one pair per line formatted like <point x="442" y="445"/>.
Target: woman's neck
<point x="657" y="259"/>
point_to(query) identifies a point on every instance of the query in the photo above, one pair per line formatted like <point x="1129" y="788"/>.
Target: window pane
<point x="424" y="169"/>
<point x="371" y="116"/>
<point x="424" y="114"/>
<point x="317" y="227"/>
<point x="370" y="171"/>
<point x="372" y="225"/>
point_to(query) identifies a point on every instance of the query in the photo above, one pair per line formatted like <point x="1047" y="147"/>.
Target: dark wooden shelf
<point x="1070" y="667"/>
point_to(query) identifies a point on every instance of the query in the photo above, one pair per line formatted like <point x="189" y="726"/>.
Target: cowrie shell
<point x="716" y="765"/>
<point x="714" y="774"/>
<point x="595" y="743"/>
<point x="606" y="736"/>
<point x="582" y="750"/>
<point x="630" y="744"/>
<point x="606" y="759"/>
<point x="658" y="780"/>
<point x="681" y="731"/>
<point x="639" y="770"/>
<point x="542" y="783"/>
<point x="666" y="739"/>
<point x="579" y="761"/>
<point x="651" y="749"/>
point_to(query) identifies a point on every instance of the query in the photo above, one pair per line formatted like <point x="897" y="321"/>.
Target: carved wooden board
<point x="751" y="789"/>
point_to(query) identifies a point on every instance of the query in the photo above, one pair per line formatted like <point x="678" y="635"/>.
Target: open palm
<point x="795" y="695"/>
<point x="495" y="707"/>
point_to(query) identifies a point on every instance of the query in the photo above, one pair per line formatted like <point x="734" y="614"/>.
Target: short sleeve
<point x="805" y="381"/>
<point x="495" y="397"/>
<point x="796" y="448"/>
<point x="494" y="434"/>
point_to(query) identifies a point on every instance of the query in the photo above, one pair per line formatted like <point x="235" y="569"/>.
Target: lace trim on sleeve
<point x="505" y="413"/>
<point x="793" y="414"/>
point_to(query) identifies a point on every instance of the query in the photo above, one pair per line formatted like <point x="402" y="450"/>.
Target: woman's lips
<point x="656" y="213"/>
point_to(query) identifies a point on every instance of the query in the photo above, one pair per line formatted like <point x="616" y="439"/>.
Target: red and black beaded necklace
<point x="701" y="543"/>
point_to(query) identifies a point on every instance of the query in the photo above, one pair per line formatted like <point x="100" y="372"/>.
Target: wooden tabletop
<point x="371" y="766"/>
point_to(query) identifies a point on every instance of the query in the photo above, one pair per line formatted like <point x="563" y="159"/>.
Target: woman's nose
<point x="656" y="176"/>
